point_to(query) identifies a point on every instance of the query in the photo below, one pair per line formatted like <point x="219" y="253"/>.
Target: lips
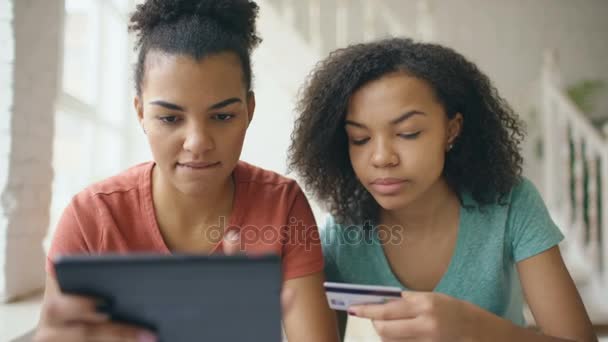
<point x="198" y="165"/>
<point x="387" y="186"/>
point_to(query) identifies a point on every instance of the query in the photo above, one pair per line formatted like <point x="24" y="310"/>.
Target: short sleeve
<point x="330" y="243"/>
<point x="302" y="253"/>
<point x="530" y="227"/>
<point x="67" y="239"/>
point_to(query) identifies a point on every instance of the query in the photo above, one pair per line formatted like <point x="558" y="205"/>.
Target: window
<point x="94" y="121"/>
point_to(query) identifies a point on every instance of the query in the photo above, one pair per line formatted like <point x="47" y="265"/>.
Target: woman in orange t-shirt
<point x="194" y="103"/>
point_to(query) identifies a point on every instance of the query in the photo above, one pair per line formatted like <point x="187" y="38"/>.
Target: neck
<point x="425" y="215"/>
<point x="188" y="211"/>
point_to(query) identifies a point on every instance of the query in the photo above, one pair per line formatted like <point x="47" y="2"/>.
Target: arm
<point x="553" y="300"/>
<point x="309" y="318"/>
<point x="545" y="281"/>
<point x="553" y="297"/>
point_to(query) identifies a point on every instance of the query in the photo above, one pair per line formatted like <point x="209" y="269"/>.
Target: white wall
<point x="507" y="38"/>
<point x="26" y="136"/>
<point x="280" y="65"/>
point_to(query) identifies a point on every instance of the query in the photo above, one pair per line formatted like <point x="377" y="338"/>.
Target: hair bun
<point x="236" y="16"/>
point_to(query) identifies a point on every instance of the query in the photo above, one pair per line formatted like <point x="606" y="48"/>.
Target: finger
<point x="50" y="334"/>
<point x="400" y="329"/>
<point x="394" y="309"/>
<point x="102" y="332"/>
<point x="116" y="332"/>
<point x="64" y="308"/>
<point x="287" y="299"/>
<point x="232" y="242"/>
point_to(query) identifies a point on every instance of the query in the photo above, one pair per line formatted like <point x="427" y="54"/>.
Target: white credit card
<point x="340" y="295"/>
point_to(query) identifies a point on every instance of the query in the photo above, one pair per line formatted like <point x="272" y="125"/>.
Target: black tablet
<point x="183" y="298"/>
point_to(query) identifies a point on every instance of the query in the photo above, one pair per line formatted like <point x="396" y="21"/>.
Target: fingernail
<point x="352" y="313"/>
<point x="145" y="336"/>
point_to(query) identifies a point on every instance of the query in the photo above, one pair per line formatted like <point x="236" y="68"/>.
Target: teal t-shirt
<point x="491" y="240"/>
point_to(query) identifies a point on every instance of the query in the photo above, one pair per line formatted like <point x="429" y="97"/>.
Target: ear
<point x="250" y="105"/>
<point x="454" y="128"/>
<point x="139" y="109"/>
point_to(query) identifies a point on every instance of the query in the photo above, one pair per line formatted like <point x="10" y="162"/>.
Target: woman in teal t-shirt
<point x="417" y="158"/>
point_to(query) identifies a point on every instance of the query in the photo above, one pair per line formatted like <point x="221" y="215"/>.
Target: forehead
<point x="174" y="72"/>
<point x="391" y="94"/>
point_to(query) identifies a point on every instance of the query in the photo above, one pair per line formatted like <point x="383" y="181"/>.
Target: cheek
<point x="164" y="144"/>
<point x="359" y="159"/>
<point x="161" y="138"/>
<point x="428" y="159"/>
<point x="231" y="138"/>
<point x="422" y="156"/>
<point x="433" y="164"/>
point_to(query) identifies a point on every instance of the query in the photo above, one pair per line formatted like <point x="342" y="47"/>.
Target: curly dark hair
<point x="485" y="158"/>
<point x="196" y="28"/>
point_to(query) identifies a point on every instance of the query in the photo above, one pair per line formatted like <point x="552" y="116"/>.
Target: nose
<point x="199" y="139"/>
<point x="384" y="154"/>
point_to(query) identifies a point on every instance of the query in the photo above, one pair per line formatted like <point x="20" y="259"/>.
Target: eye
<point x="223" y="117"/>
<point x="169" y="119"/>
<point x="409" y="136"/>
<point x="359" y="142"/>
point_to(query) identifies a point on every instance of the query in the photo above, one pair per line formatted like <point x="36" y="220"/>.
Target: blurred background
<point x="67" y="120"/>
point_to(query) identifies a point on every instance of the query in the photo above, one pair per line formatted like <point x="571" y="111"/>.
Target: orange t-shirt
<point x="117" y="216"/>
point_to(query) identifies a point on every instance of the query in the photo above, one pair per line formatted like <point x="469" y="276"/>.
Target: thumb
<point x="232" y="242"/>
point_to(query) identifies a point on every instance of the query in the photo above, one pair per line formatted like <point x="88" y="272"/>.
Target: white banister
<point x="564" y="138"/>
<point x="604" y="214"/>
<point x="579" y="207"/>
<point x="548" y="77"/>
<point x="594" y="248"/>
<point x="583" y="165"/>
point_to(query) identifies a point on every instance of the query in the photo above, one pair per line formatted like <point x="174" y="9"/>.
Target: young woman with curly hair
<point x="417" y="159"/>
<point x="194" y="102"/>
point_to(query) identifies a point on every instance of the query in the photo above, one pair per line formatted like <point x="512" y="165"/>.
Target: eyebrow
<point x="398" y="120"/>
<point x="225" y="103"/>
<point x="173" y="106"/>
<point x="167" y="105"/>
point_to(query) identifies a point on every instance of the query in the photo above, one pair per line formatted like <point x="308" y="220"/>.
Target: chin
<point x="389" y="203"/>
<point x="395" y="202"/>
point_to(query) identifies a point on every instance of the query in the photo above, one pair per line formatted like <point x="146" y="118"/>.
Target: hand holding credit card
<point x="340" y="296"/>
